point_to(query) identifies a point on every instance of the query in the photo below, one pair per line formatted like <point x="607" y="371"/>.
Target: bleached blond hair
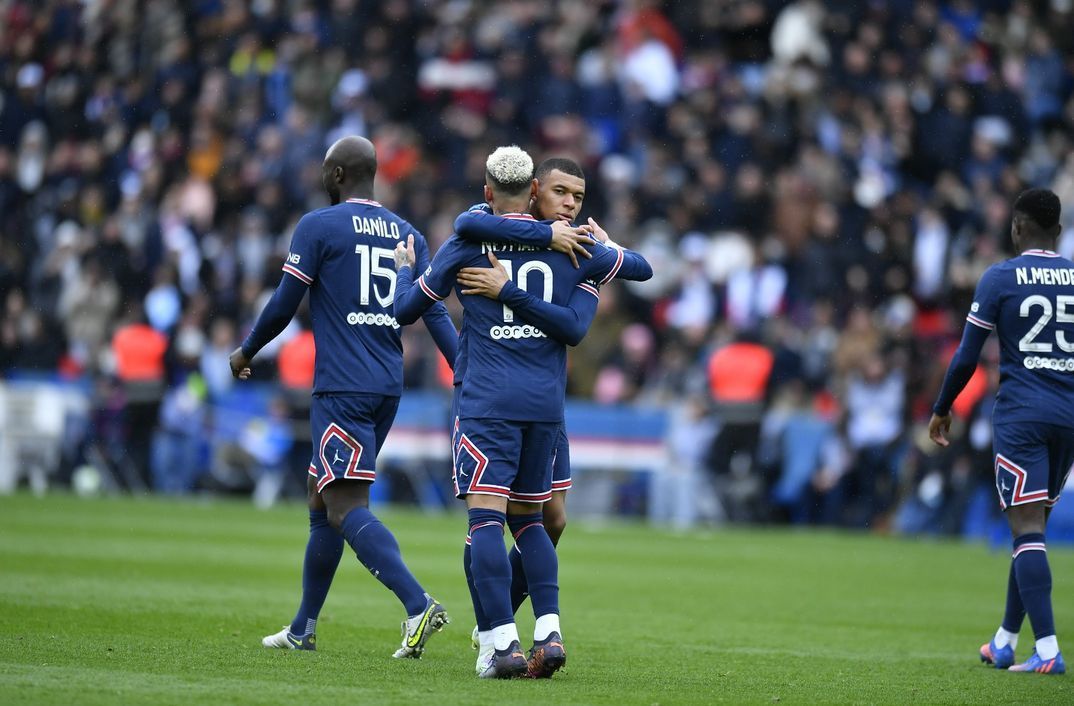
<point x="510" y="169"/>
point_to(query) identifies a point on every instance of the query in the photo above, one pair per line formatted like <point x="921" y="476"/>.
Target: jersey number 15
<point x="369" y="266"/>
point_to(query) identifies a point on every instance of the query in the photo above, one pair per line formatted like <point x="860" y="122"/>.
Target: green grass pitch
<point x="156" y="601"/>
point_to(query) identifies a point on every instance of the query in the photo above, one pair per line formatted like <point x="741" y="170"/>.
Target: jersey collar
<point x="519" y="216"/>
<point x="366" y="202"/>
<point x="1041" y="253"/>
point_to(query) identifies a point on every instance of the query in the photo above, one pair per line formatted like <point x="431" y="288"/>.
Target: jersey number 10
<point x="369" y="266"/>
<point x="520" y="279"/>
<point x="1063" y="315"/>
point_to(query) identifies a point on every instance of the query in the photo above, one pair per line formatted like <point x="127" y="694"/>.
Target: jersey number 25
<point x="1064" y="314"/>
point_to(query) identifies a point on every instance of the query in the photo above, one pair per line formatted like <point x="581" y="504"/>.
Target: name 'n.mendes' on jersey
<point x="344" y="254"/>
<point x="1029" y="302"/>
<point x="513" y="370"/>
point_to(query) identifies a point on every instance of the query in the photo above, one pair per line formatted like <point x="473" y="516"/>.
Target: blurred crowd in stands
<point x="818" y="186"/>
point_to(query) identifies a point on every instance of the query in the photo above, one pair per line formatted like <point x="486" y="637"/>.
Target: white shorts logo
<point x="515" y="332"/>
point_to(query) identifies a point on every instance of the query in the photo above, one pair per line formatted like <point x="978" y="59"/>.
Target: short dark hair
<point x="1040" y="205"/>
<point x="563" y="164"/>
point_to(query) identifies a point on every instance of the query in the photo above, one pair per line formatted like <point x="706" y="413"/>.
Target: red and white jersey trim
<point x="519" y="216"/>
<point x="589" y="288"/>
<point x="980" y="322"/>
<point x="302" y="276"/>
<point x="615" y="270"/>
<point x="428" y="290"/>
<point x="365" y="202"/>
<point x="1041" y="253"/>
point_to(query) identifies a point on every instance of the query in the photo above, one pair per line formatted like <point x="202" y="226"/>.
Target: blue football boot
<point x="1054" y="665"/>
<point x="999" y="657"/>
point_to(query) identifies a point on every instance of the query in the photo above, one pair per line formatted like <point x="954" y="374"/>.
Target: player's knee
<point x="335" y="518"/>
<point x="555" y="522"/>
<point x="342" y="496"/>
<point x="313" y="497"/>
<point x="1026" y="519"/>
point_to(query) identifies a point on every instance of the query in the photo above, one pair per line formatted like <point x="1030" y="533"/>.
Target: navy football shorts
<point x="561" y="453"/>
<point x="561" y="461"/>
<point x="348" y="431"/>
<point x="1032" y="462"/>
<point x="509" y="459"/>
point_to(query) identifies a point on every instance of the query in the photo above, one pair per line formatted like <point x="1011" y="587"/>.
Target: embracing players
<point x="510" y="409"/>
<point x="1029" y="302"/>
<point x="560" y="193"/>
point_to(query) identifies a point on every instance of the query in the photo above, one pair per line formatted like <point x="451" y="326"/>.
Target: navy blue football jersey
<point x="1029" y="301"/>
<point x="513" y="371"/>
<point x="538" y="234"/>
<point x="344" y="254"/>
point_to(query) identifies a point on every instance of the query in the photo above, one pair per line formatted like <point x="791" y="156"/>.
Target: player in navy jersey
<point x="343" y="255"/>
<point x="510" y="409"/>
<point x="560" y="193"/>
<point x="1029" y="301"/>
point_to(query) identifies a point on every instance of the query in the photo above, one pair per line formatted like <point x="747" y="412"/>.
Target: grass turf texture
<point x="165" y="602"/>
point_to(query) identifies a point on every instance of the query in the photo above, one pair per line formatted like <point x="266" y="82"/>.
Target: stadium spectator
<point x="139" y="352"/>
<point x="867" y="151"/>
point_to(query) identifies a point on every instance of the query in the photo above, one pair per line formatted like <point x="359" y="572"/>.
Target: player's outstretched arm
<point x="959" y="372"/>
<point x="568" y="324"/>
<point x="480" y="226"/>
<point x="414" y="296"/>
<point x="477" y="225"/>
<point x="610" y="263"/>
<point x="277" y="313"/>
<point x="436" y="317"/>
<point x="634" y="267"/>
<point x="410" y="302"/>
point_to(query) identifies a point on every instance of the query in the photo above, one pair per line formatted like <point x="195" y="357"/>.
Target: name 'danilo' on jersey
<point x="375" y="226"/>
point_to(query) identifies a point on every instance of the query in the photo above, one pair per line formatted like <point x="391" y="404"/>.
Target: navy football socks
<point x="490" y="566"/>
<point x="539" y="561"/>
<point x="1035" y="582"/>
<point x="378" y="551"/>
<point x="1015" y="612"/>
<point x="519" y="587"/>
<point x="479" y="613"/>
<point x="323" y="552"/>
